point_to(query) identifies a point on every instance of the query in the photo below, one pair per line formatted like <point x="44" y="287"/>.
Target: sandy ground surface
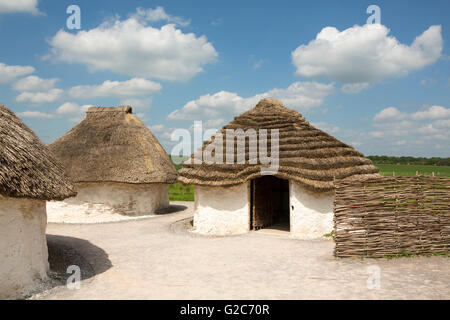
<point x="157" y="258"/>
<point x="99" y="216"/>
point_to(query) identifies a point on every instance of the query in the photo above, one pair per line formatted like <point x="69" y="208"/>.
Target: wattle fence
<point x="388" y="216"/>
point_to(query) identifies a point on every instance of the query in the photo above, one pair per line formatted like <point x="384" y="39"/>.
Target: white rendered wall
<point x="311" y="213"/>
<point x="23" y="245"/>
<point x="221" y="210"/>
<point x="113" y="198"/>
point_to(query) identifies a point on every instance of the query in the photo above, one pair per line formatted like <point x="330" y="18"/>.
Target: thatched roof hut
<point x="28" y="170"/>
<point x="113" y="145"/>
<point x="309" y="162"/>
<point x="29" y="175"/>
<point x="307" y="155"/>
<point x="112" y="156"/>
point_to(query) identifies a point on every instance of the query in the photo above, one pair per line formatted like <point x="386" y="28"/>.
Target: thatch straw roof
<point x="112" y="145"/>
<point x="306" y="154"/>
<point x="27" y="168"/>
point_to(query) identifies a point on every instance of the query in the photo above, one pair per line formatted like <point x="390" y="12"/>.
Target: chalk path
<point x="157" y="258"/>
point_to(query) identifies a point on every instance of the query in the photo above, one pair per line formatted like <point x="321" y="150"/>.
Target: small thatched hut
<point x="29" y="176"/>
<point x="116" y="163"/>
<point x="237" y="197"/>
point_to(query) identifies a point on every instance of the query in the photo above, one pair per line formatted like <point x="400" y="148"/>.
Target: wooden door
<point x="262" y="203"/>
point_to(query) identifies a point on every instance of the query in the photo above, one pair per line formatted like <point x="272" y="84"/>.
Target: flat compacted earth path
<point x="157" y="258"/>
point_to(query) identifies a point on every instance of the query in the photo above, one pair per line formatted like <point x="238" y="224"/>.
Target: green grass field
<point x="178" y="192"/>
<point x="410" y="170"/>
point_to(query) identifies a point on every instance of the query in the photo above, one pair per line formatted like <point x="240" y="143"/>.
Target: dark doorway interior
<point x="269" y="203"/>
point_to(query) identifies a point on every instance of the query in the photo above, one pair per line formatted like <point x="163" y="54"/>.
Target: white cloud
<point x="353" y="88"/>
<point x="10" y="73"/>
<point x="73" y="111"/>
<point x="19" y="6"/>
<point x="428" y="129"/>
<point x="299" y="95"/>
<point x="35" y="115"/>
<point x="132" y="87"/>
<point x="132" y="48"/>
<point x="433" y="112"/>
<point x="327" y="127"/>
<point x="72" y="108"/>
<point x="158" y="14"/>
<point x="412" y="133"/>
<point x="416" y="128"/>
<point x="362" y="55"/>
<point x="34" y="83"/>
<point x="443" y="123"/>
<point x="40" y="97"/>
<point x="214" y="123"/>
<point x="157" y="128"/>
<point x="137" y="104"/>
<point x="390" y="113"/>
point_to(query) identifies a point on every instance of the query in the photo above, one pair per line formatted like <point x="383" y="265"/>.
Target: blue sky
<point x="383" y="88"/>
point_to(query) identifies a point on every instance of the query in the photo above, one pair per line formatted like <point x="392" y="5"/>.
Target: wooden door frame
<point x="251" y="200"/>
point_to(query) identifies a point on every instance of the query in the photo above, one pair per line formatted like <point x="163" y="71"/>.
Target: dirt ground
<point x="157" y="258"/>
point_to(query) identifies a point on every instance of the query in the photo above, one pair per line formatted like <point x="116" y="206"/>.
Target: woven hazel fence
<point x="386" y="216"/>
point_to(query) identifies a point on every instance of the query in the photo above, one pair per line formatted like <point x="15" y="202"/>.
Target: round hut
<point x="240" y="185"/>
<point x="29" y="176"/>
<point x="116" y="163"/>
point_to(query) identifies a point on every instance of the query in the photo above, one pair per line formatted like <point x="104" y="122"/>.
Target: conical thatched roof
<point x="306" y="154"/>
<point x="112" y="145"/>
<point x="27" y="169"/>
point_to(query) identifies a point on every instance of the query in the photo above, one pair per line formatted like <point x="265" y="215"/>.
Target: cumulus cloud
<point x="390" y="113"/>
<point x="34" y="83"/>
<point x="19" y="6"/>
<point x="431" y="122"/>
<point x="72" y="108"/>
<point x="299" y="95"/>
<point x="133" y="48"/>
<point x="132" y="87"/>
<point x="40" y="97"/>
<point x="362" y="55"/>
<point x="433" y="112"/>
<point x="158" y="14"/>
<point x="10" y="73"/>
<point x="396" y="132"/>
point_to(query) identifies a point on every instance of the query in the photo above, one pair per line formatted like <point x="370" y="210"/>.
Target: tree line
<point x="434" y="161"/>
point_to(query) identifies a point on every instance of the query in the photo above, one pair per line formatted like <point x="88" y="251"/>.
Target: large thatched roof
<point x="27" y="169"/>
<point x="306" y="154"/>
<point x="112" y="145"/>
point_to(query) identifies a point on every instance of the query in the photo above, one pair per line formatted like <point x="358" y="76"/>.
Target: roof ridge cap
<point x="125" y="109"/>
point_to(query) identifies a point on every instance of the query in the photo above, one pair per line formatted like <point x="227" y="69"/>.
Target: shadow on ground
<point x="66" y="251"/>
<point x="173" y="208"/>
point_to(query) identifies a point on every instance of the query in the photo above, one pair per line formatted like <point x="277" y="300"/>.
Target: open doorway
<point x="269" y="203"/>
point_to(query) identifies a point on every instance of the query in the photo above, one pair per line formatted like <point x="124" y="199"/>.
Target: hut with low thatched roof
<point x="116" y="163"/>
<point x="29" y="175"/>
<point x="236" y="190"/>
